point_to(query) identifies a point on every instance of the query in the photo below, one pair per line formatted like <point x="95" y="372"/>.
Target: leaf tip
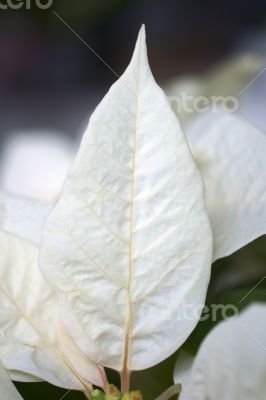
<point x="142" y="35"/>
<point x="140" y="47"/>
<point x="142" y="31"/>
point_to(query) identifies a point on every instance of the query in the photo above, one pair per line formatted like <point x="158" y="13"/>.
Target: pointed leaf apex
<point x="142" y="37"/>
<point x="142" y="31"/>
<point x="140" y="52"/>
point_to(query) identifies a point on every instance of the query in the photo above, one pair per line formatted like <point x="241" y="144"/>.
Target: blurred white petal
<point x="22" y="216"/>
<point x="36" y="164"/>
<point x="226" y="79"/>
<point x="231" y="156"/>
<point x="183" y="367"/>
<point x="31" y="339"/>
<point x="231" y="363"/>
<point x="7" y="388"/>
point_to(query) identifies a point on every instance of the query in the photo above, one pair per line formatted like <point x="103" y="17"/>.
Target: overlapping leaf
<point x="33" y="345"/>
<point x="231" y="155"/>
<point x="23" y="217"/>
<point x="231" y="362"/>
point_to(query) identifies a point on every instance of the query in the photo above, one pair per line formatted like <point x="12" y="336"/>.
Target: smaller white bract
<point x="231" y="362"/>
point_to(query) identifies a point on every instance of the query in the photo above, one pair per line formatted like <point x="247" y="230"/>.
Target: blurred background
<point x="51" y="80"/>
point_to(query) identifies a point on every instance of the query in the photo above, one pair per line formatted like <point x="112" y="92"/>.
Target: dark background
<point x="50" y="79"/>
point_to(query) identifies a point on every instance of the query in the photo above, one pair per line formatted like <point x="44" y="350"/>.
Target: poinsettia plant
<point x="109" y="275"/>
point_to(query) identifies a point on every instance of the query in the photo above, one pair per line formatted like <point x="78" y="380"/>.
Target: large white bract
<point x="128" y="246"/>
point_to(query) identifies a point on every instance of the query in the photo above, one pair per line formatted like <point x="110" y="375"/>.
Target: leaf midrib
<point x="128" y="315"/>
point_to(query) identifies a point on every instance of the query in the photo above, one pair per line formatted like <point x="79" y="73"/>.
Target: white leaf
<point x="231" y="156"/>
<point x="231" y="363"/>
<point x="22" y="216"/>
<point x="183" y="367"/>
<point x="128" y="246"/>
<point x="7" y="388"/>
<point x="35" y="164"/>
<point x="30" y="343"/>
